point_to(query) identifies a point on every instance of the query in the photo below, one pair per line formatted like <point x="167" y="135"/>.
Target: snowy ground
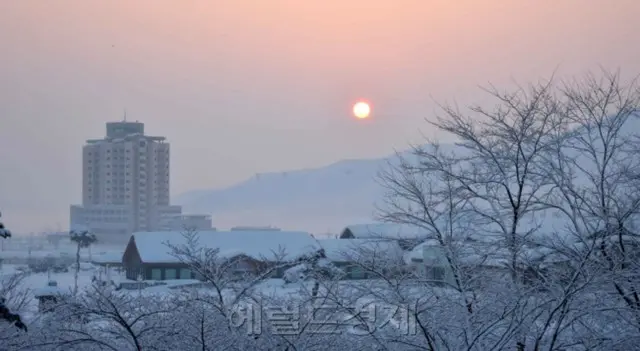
<point x="65" y="281"/>
<point x="273" y="287"/>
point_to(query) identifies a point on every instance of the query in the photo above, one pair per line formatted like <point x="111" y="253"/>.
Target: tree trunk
<point x="75" y="278"/>
<point x="316" y="287"/>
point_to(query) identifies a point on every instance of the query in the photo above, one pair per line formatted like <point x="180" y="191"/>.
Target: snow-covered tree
<point x="517" y="181"/>
<point x="9" y="286"/>
<point x="83" y="239"/>
<point x="4" y="232"/>
<point x="595" y="169"/>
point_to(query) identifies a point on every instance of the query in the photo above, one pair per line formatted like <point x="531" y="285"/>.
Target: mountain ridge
<point x="337" y="194"/>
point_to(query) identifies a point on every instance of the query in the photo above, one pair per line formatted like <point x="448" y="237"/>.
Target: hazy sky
<point x="240" y="87"/>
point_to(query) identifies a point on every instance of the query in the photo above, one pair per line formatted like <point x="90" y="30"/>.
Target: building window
<point x="437" y="273"/>
<point x="357" y="272"/>
<point x="185" y="273"/>
<point x="156" y="274"/>
<point x="170" y="273"/>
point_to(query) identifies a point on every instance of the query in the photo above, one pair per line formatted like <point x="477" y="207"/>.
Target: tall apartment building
<point x="125" y="183"/>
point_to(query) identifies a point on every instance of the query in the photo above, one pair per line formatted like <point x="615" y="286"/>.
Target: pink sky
<point x="241" y="87"/>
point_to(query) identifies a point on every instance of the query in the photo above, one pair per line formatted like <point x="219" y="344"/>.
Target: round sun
<point x="361" y="110"/>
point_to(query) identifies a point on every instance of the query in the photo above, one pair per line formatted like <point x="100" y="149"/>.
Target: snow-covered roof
<point x="339" y="250"/>
<point x="486" y="254"/>
<point x="261" y="245"/>
<point x="386" y="230"/>
<point x="50" y="289"/>
<point x="107" y="257"/>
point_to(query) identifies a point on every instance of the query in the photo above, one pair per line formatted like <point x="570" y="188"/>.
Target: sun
<point x="361" y="110"/>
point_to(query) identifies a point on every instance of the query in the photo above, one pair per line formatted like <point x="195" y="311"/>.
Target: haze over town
<point x="246" y="87"/>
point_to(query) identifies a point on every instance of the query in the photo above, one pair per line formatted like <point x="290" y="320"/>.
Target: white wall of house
<point x="434" y="265"/>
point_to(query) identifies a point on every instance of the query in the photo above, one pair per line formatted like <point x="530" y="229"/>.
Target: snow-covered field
<point x="33" y="282"/>
<point x="65" y="281"/>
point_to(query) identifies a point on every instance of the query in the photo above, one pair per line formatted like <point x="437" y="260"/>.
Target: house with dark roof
<point x="148" y="254"/>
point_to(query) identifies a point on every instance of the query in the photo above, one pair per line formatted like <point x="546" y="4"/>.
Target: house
<point x="362" y="258"/>
<point x="408" y="236"/>
<point x="48" y="296"/>
<point x="149" y="256"/>
<point x="429" y="260"/>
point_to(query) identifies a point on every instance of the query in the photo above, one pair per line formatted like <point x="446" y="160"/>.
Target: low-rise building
<point x="362" y="258"/>
<point x="407" y="236"/>
<point x="181" y="222"/>
<point x="149" y="254"/>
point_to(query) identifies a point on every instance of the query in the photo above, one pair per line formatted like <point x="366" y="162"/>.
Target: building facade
<point x="125" y="183"/>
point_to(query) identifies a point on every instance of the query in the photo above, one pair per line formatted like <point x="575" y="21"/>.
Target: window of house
<point x="156" y="274"/>
<point x="437" y="273"/>
<point x="241" y="266"/>
<point x="357" y="272"/>
<point x="170" y="273"/>
<point x="185" y="273"/>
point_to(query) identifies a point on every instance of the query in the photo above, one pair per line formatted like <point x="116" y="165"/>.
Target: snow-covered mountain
<point x="322" y="199"/>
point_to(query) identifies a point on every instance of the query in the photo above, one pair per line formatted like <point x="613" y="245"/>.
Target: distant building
<point x="187" y="222"/>
<point x="125" y="185"/>
<point x="254" y="229"/>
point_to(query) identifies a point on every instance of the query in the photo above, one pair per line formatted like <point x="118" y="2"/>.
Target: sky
<point x="248" y="86"/>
